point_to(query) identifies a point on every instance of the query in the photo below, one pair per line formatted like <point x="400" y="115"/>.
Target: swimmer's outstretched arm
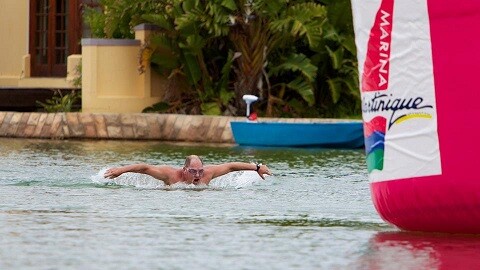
<point x="219" y="170"/>
<point x="159" y="172"/>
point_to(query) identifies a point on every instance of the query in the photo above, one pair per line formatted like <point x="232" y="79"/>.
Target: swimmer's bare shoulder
<point x="168" y="174"/>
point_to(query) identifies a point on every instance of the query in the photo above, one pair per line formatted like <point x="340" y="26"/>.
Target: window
<point x="55" y="32"/>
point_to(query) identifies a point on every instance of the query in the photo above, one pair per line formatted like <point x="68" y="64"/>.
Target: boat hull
<point x="281" y="134"/>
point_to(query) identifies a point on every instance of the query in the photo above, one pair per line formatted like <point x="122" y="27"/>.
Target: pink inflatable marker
<point x="419" y="63"/>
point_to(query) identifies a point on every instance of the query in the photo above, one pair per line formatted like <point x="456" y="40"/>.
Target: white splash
<point x="234" y="180"/>
<point x="129" y="179"/>
<point x="239" y="179"/>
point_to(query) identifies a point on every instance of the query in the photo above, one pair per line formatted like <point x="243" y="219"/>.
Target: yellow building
<point x="37" y="37"/>
<point x="41" y="48"/>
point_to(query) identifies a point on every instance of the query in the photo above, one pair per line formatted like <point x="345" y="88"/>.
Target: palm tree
<point x="261" y="29"/>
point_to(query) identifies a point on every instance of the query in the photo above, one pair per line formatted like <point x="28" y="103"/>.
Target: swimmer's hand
<point x="263" y="170"/>
<point x="113" y="173"/>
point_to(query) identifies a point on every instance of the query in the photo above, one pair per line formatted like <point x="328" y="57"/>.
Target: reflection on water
<point x="409" y="250"/>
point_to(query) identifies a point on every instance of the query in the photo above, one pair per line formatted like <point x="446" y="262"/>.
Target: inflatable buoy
<point x="419" y="67"/>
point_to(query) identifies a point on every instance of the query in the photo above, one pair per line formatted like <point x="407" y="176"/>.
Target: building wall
<point x="14" y="50"/>
<point x="111" y="82"/>
<point x="14" y="25"/>
<point x="110" y="79"/>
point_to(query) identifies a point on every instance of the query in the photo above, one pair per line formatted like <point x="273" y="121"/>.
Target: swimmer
<point x="193" y="171"/>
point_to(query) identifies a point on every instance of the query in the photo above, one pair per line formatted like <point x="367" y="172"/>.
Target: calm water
<point x="57" y="212"/>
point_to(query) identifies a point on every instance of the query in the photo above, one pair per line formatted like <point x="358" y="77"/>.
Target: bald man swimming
<point x="193" y="171"/>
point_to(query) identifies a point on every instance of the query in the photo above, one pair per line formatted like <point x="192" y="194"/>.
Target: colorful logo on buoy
<point x="374" y="132"/>
<point x="375" y="78"/>
<point x="377" y="63"/>
<point x="398" y="94"/>
<point x="398" y="110"/>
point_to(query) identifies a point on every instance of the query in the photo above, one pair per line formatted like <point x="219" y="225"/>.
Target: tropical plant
<point x="77" y="78"/>
<point x="294" y="54"/>
<point x="189" y="44"/>
<point x="337" y="83"/>
<point x="256" y="31"/>
<point x="266" y="36"/>
<point x="116" y="18"/>
<point x="61" y="102"/>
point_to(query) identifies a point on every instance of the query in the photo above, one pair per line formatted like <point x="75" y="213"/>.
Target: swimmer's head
<point x="192" y="158"/>
<point x="193" y="169"/>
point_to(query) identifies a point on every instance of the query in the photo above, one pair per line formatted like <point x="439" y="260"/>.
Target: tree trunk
<point x="250" y="39"/>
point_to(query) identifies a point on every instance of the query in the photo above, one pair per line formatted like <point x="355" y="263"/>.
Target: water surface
<point x="57" y="212"/>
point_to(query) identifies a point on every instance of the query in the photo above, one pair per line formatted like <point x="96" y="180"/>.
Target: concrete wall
<point x="165" y="127"/>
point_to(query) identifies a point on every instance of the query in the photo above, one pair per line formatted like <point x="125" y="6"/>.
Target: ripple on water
<point x="57" y="210"/>
<point x="323" y="222"/>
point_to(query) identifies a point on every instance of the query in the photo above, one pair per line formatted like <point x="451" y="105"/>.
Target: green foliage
<point x="96" y="21"/>
<point x="277" y="29"/>
<point x="302" y="20"/>
<point x="185" y="44"/>
<point x="190" y="30"/>
<point x="210" y="108"/>
<point x="338" y="92"/>
<point x="297" y="55"/>
<point x="116" y="18"/>
<point x="77" y="80"/>
<point x="161" y="107"/>
<point x="302" y="84"/>
<point x="60" y="102"/>
<point x="297" y="62"/>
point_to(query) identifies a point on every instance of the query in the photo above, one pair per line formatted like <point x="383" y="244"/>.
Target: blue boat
<point x="335" y="134"/>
